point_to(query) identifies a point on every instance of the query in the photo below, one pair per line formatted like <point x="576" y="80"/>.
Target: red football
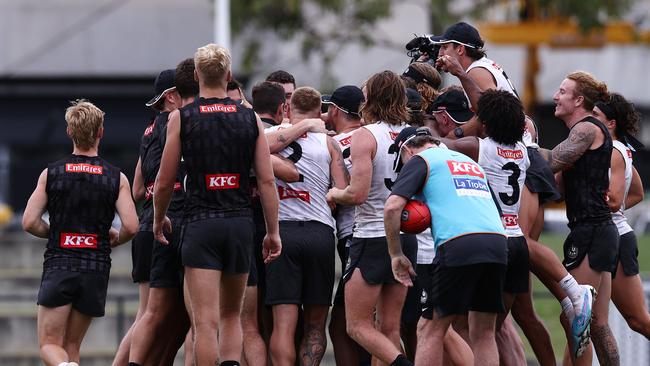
<point x="415" y="217"/>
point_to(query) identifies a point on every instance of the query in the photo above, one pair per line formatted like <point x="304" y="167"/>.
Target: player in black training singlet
<point x="165" y="304"/>
<point x="81" y="193"/>
<point x="590" y="249"/>
<point x="220" y="142"/>
<point x="165" y="101"/>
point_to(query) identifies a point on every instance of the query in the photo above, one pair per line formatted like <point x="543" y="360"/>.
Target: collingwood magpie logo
<point x="573" y="252"/>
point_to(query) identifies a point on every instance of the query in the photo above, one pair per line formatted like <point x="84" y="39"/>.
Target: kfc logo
<point x="218" y="108"/>
<point x="78" y="241"/>
<point x="629" y="153"/>
<point x="84" y="168"/>
<point x="346" y="141"/>
<point x="393" y="135"/>
<point x="510" y="220"/>
<point x="465" y="168"/>
<point x="221" y="181"/>
<point x="287" y="193"/>
<point x="510" y="154"/>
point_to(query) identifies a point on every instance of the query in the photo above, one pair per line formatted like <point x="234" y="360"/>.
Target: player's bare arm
<point x="278" y="140"/>
<point x="164" y="185"/>
<point x="362" y="149"/>
<point x="635" y="194"/>
<point x="616" y="191"/>
<point x="138" y="183"/>
<point x="126" y="210"/>
<point x="272" y="245"/>
<point x="33" y="221"/>
<point x="402" y="267"/>
<point x="581" y="137"/>
<point x="338" y="171"/>
<point x="466" y="145"/>
<point x="284" y="169"/>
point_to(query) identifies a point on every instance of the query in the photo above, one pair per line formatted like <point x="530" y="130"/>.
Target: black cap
<point x="405" y="135"/>
<point x="455" y="104"/>
<point x="347" y="98"/>
<point x="461" y="33"/>
<point x="164" y="82"/>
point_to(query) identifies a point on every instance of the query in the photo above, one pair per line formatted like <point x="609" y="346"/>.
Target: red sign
<point x="218" y="108"/>
<point x="510" y="154"/>
<point x="510" y="220"/>
<point x="287" y="193"/>
<point x="78" y="241"/>
<point x="84" y="168"/>
<point x="149" y="130"/>
<point x="465" y="168"/>
<point x="221" y="181"/>
<point x="346" y="141"/>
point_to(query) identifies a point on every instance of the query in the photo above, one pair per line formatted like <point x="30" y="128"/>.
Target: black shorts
<point x="458" y="290"/>
<point x="599" y="241"/>
<point x="222" y="244"/>
<point x="371" y="256"/>
<point x="517" y="273"/>
<point x="416" y="296"/>
<point x="257" y="273"/>
<point x="540" y="178"/>
<point x="166" y="265"/>
<point x="141" y="247"/>
<point x="86" y="291"/>
<point x="304" y="272"/>
<point x="628" y="252"/>
<point x="343" y="251"/>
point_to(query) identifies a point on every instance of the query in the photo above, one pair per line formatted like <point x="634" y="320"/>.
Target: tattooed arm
<point x="581" y="137"/>
<point x="282" y="137"/>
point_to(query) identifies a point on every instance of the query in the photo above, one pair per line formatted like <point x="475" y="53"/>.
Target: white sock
<point x="73" y="364"/>
<point x="63" y="364"/>
<point x="571" y="287"/>
<point x="567" y="308"/>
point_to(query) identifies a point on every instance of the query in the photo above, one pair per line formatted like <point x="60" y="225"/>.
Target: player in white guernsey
<point x="304" y="274"/>
<point x="343" y="116"/>
<point x="369" y="280"/>
<point x="625" y="190"/>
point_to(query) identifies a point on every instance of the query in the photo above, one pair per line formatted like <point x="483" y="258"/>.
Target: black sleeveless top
<point x="151" y="149"/>
<point x="81" y="196"/>
<point x="218" y="138"/>
<point x="587" y="181"/>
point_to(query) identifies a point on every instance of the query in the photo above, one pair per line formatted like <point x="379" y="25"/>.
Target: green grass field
<point x="549" y="309"/>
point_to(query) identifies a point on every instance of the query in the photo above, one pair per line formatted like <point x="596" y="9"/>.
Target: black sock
<point x="401" y="360"/>
<point x="134" y="364"/>
<point x="229" y="363"/>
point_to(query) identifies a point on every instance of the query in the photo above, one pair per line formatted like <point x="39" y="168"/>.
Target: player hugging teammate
<point x="246" y="208"/>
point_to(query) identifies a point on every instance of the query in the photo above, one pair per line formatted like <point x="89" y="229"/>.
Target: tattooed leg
<point x="314" y="342"/>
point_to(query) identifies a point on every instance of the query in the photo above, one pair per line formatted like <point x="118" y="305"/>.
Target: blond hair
<point x="592" y="89"/>
<point x="306" y="100"/>
<point x="84" y="121"/>
<point x="386" y="99"/>
<point x="212" y="63"/>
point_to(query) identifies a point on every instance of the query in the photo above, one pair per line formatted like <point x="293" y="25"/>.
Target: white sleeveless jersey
<point x="369" y="216"/>
<point x="500" y="77"/>
<point x="345" y="214"/>
<point x="305" y="200"/>
<point x="426" y="247"/>
<point x="618" y="217"/>
<point x="505" y="167"/>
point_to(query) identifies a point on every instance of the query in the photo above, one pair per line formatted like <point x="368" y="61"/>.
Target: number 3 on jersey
<point x="511" y="199"/>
